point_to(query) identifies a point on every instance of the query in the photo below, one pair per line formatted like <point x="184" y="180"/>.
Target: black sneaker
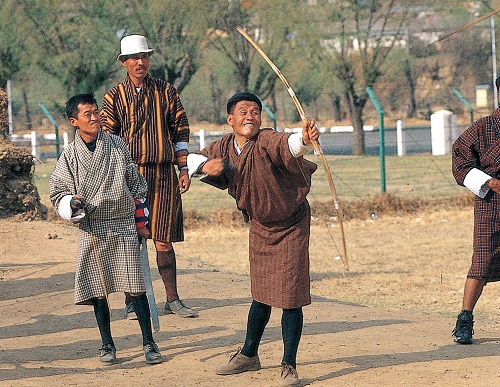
<point x="463" y="331"/>
<point x="152" y="353"/>
<point x="107" y="354"/>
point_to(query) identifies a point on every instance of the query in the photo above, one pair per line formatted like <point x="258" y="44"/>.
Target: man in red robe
<point x="476" y="165"/>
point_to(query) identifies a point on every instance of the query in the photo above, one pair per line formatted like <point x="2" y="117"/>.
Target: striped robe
<point x="479" y="147"/>
<point x="270" y="185"/>
<point x="151" y="121"/>
<point x="107" y="179"/>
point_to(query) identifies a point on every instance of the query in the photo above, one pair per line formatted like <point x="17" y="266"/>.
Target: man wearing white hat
<point x="148" y="115"/>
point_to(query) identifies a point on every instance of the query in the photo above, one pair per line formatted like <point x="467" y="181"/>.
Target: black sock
<point x="141" y="308"/>
<point x="103" y="318"/>
<point x="291" y="330"/>
<point x="258" y="317"/>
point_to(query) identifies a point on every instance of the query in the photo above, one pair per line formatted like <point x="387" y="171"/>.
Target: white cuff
<point x="475" y="181"/>
<point x="194" y="161"/>
<point x="65" y="212"/>
<point x="296" y="145"/>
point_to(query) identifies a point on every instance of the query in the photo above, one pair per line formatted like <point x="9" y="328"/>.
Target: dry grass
<point x="413" y="255"/>
<point x="363" y="209"/>
<point x="417" y="261"/>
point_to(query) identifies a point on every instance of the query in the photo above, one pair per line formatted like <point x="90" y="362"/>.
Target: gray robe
<point x="110" y="182"/>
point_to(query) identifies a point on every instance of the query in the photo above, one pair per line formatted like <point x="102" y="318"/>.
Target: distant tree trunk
<point x="336" y="110"/>
<point x="274" y="105"/>
<point x="412" y="107"/>
<point x="215" y="94"/>
<point x="359" y="133"/>
<point x="27" y="111"/>
<point x="355" y="112"/>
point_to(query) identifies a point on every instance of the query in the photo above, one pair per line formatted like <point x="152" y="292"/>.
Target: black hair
<point x="123" y="58"/>
<point x="242" y="96"/>
<point x="497" y="82"/>
<point x="73" y="102"/>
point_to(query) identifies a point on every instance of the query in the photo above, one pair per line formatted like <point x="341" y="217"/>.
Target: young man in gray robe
<point x="96" y="184"/>
<point x="266" y="174"/>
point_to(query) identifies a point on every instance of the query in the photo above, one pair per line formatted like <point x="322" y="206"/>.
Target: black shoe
<point x="152" y="353"/>
<point x="107" y="354"/>
<point x="463" y="331"/>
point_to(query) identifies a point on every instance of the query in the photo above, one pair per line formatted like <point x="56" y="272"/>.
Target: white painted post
<point x="443" y="132"/>
<point x="65" y="139"/>
<point x="34" y="144"/>
<point x="202" y="138"/>
<point x="401" y="137"/>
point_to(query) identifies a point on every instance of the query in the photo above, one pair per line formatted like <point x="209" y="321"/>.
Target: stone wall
<point x="19" y="196"/>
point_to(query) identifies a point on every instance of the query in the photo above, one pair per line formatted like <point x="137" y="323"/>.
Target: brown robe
<point x="270" y="186"/>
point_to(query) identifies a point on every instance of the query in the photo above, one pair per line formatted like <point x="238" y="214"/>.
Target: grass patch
<point x="414" y="184"/>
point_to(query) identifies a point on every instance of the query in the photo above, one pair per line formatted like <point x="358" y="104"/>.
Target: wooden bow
<point x="467" y="25"/>
<point x="317" y="147"/>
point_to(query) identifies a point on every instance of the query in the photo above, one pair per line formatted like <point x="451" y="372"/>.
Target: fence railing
<point x="335" y="140"/>
<point x="43" y="146"/>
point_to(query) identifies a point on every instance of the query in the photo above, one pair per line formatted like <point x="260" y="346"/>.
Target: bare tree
<point x="270" y="27"/>
<point x="12" y="45"/>
<point x="65" y="40"/>
<point x="412" y="106"/>
<point x="176" y="30"/>
<point x="359" y="36"/>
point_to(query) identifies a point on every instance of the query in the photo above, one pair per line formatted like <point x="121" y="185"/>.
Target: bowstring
<point x="322" y="219"/>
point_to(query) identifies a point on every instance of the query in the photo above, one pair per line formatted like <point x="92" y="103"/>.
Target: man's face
<point x="137" y="65"/>
<point x="87" y="121"/>
<point x="245" y="119"/>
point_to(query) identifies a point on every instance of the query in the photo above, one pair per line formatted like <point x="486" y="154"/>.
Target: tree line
<point x="329" y="50"/>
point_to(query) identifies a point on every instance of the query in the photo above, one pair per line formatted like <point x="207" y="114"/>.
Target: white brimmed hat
<point x="134" y="44"/>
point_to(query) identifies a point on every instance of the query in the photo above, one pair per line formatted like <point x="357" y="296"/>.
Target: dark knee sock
<point x="258" y="317"/>
<point x="291" y="330"/>
<point x="168" y="272"/>
<point x="141" y="308"/>
<point x="103" y="318"/>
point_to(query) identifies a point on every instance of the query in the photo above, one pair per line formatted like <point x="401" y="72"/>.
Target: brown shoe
<point x="239" y="363"/>
<point x="289" y="375"/>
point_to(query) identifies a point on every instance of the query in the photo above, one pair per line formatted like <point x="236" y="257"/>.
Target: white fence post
<point x="401" y="137"/>
<point x="443" y="132"/>
<point x="65" y="140"/>
<point x="34" y="144"/>
<point x="202" y="138"/>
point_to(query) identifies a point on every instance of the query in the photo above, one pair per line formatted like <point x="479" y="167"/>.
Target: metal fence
<point x="334" y="141"/>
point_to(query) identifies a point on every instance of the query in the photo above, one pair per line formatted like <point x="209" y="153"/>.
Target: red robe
<point x="479" y="147"/>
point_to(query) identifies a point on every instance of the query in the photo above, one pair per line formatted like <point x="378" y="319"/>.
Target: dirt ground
<point x="46" y="340"/>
